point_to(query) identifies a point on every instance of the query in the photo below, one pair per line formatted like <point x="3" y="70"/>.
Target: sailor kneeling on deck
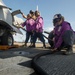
<point x="63" y="35"/>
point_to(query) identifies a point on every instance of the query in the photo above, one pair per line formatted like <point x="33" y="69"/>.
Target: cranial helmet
<point x="37" y="13"/>
<point x="57" y="17"/>
<point x="31" y="12"/>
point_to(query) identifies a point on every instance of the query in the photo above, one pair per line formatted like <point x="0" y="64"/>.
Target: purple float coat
<point x="30" y="24"/>
<point x="59" y="31"/>
<point x="39" y="24"/>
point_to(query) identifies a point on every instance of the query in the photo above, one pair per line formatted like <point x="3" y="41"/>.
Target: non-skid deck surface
<point x="57" y="64"/>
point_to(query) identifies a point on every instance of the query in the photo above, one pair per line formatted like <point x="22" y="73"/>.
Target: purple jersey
<point x="59" y="31"/>
<point x="30" y="24"/>
<point x="39" y="24"/>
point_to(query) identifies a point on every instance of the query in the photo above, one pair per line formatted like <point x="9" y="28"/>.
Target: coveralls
<point x="64" y="35"/>
<point x="39" y="30"/>
<point x="30" y="26"/>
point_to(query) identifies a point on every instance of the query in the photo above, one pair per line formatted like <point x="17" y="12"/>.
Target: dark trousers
<point x="68" y="39"/>
<point x="51" y="35"/>
<point x="29" y="35"/>
<point x="38" y="35"/>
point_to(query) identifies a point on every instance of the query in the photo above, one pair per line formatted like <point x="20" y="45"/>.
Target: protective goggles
<point x="56" y="20"/>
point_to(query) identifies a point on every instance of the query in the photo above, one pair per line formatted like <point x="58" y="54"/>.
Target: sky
<point x="47" y="8"/>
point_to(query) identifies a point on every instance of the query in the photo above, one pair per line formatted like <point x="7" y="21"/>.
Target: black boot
<point x="32" y="46"/>
<point x="69" y="50"/>
<point x="44" y="46"/>
<point x="25" y="44"/>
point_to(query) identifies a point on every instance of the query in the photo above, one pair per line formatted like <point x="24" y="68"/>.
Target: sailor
<point x="51" y="34"/>
<point x="30" y="26"/>
<point x="63" y="34"/>
<point x="38" y="29"/>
